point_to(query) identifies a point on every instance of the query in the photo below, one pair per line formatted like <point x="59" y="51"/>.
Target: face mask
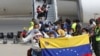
<point x="51" y="28"/>
<point x="84" y="33"/>
<point x="56" y="27"/>
<point x="70" y="32"/>
<point x="47" y="29"/>
<point x="36" y="30"/>
<point x="66" y="33"/>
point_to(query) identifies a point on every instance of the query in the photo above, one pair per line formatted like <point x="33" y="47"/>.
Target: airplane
<point x="82" y="9"/>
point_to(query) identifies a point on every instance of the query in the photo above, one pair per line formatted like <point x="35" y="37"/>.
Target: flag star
<point x="77" y="54"/>
<point x="71" y="50"/>
<point x="67" y="49"/>
<point x="60" y="51"/>
<point x="75" y="51"/>
<point x="57" y="53"/>
<point x="63" y="49"/>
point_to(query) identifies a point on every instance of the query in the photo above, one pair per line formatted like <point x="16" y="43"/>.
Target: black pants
<point x="45" y="14"/>
<point x="96" y="47"/>
<point x="40" y="15"/>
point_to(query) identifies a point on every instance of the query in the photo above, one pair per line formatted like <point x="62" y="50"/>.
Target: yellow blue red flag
<point x="75" y="46"/>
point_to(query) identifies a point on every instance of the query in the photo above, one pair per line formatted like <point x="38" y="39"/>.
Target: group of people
<point x="42" y="11"/>
<point x="61" y="28"/>
<point x="40" y="29"/>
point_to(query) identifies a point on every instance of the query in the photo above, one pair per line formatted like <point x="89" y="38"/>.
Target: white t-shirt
<point x="34" y="37"/>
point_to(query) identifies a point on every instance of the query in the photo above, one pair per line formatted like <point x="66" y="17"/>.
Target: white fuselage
<point x="65" y="8"/>
<point x="17" y="7"/>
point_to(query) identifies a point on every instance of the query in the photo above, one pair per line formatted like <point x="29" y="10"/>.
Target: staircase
<point x="51" y="11"/>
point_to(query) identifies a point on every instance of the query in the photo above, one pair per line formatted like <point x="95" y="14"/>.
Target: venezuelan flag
<point x="75" y="46"/>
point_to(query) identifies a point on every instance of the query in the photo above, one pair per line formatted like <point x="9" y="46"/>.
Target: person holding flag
<point x="34" y="36"/>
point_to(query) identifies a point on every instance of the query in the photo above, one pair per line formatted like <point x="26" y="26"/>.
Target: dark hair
<point x="46" y="25"/>
<point x="77" y="20"/>
<point x="91" y="21"/>
<point x="36" y="24"/>
<point x="74" y="20"/>
<point x="85" y="30"/>
<point x="68" y="21"/>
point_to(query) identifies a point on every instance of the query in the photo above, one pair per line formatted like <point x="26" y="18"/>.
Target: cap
<point x="98" y="20"/>
<point x="51" y="32"/>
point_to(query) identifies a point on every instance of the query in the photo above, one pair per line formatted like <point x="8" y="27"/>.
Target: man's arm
<point x="27" y="38"/>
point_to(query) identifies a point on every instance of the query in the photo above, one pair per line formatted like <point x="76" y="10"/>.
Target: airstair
<point x="52" y="10"/>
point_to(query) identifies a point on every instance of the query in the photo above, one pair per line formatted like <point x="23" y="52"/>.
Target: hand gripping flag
<point x="75" y="46"/>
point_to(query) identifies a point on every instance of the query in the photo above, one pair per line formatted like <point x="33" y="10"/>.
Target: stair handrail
<point x="34" y="9"/>
<point x="55" y="9"/>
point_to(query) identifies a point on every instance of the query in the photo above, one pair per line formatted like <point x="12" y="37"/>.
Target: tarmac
<point x="13" y="24"/>
<point x="13" y="49"/>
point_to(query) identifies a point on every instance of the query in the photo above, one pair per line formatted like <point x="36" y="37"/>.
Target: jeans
<point x="36" y="53"/>
<point x="46" y="14"/>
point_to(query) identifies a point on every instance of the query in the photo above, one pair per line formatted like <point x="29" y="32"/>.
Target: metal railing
<point x="33" y="8"/>
<point x="55" y="9"/>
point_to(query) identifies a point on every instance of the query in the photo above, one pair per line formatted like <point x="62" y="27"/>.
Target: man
<point x="76" y="26"/>
<point x="45" y="9"/>
<point x="97" y="38"/>
<point x="34" y="36"/>
<point x="60" y="31"/>
<point x="40" y="12"/>
<point x="31" y="25"/>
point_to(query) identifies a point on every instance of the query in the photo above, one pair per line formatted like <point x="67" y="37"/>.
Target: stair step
<point x="51" y="12"/>
<point x="50" y="15"/>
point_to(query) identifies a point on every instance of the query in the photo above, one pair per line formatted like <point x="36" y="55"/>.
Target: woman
<point x="40" y="12"/>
